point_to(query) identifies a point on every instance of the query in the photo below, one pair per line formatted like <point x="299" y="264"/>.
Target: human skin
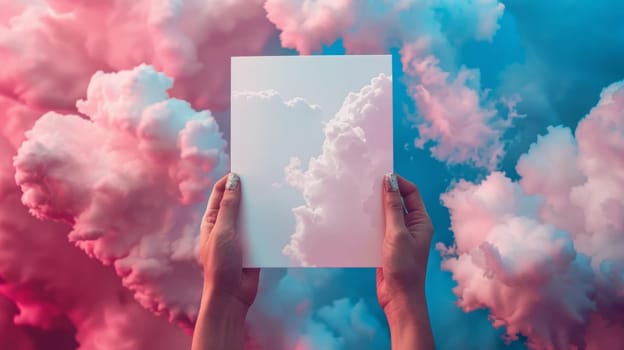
<point x="229" y="289"/>
<point x="401" y="279"/>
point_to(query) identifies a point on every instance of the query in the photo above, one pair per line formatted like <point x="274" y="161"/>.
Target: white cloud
<point x="132" y="182"/>
<point x="356" y="153"/>
<point x="267" y="130"/>
<point x="545" y="254"/>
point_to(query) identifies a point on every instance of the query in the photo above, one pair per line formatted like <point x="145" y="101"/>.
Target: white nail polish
<point x="392" y="183"/>
<point x="232" y="182"/>
<point x="404" y="206"/>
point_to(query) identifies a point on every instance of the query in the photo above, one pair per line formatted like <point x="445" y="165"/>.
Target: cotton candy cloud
<point x="19" y="339"/>
<point x="50" y="51"/>
<point x="135" y="194"/>
<point x="54" y="296"/>
<point x="134" y="126"/>
<point x="459" y="122"/>
<point x="286" y="127"/>
<point x="373" y="27"/>
<point x="544" y="254"/>
<point x="508" y="255"/>
<point x="455" y="116"/>
<point x="356" y="146"/>
<point x="191" y="41"/>
<point x="306" y="25"/>
<point x="53" y="291"/>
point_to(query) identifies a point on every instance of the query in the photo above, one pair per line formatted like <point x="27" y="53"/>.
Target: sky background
<point x="509" y="115"/>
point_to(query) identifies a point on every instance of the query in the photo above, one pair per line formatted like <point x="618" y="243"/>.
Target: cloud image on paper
<point x="312" y="170"/>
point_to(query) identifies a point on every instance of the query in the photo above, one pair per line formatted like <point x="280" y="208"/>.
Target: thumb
<point x="394" y="208"/>
<point x="228" y="208"/>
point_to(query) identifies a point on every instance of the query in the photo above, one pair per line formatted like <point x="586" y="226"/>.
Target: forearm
<point x="220" y="324"/>
<point x="409" y="325"/>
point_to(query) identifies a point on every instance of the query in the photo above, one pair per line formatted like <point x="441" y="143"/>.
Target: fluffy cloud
<point x="296" y="309"/>
<point x="53" y="295"/>
<point x="59" y="290"/>
<point x="544" y="254"/>
<point x="190" y="41"/>
<point x="97" y="180"/>
<point x="267" y="117"/>
<point x="373" y="27"/>
<point x="355" y="155"/>
<point x="515" y="265"/>
<point x="131" y="181"/>
<point x="50" y="50"/>
<point x="11" y="336"/>
<point x="455" y="117"/>
<point x="306" y="25"/>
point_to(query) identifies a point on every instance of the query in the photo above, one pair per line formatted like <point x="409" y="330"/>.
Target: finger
<point x="212" y="208"/>
<point x="393" y="206"/>
<point x="228" y="208"/>
<point x="411" y="196"/>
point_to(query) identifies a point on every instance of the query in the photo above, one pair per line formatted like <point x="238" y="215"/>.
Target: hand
<point x="220" y="247"/>
<point x="401" y="280"/>
<point x="229" y="290"/>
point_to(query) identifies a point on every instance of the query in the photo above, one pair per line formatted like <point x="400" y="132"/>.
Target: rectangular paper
<point x="311" y="138"/>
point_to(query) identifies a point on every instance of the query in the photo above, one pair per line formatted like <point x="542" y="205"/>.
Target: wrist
<point x="220" y="322"/>
<point x="218" y="302"/>
<point x="408" y="321"/>
<point x="405" y="309"/>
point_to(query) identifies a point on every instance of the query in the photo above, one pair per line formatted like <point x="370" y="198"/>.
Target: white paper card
<point x="311" y="138"/>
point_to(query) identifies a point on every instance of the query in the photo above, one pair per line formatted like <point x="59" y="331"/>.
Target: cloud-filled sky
<point x="509" y="115"/>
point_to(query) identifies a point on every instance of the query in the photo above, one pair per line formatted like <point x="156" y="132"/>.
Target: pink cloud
<point x="455" y="115"/>
<point x="51" y="286"/>
<point x="506" y="260"/>
<point x="190" y="41"/>
<point x="131" y="181"/>
<point x="375" y="27"/>
<point x="603" y="334"/>
<point x="455" y="118"/>
<point x="110" y="177"/>
<point x="16" y="119"/>
<point x="11" y="335"/>
<point x="349" y="170"/>
<point x="545" y="254"/>
<point x="307" y="25"/>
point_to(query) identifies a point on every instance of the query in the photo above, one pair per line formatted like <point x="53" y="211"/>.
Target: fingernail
<point x="392" y="184"/>
<point x="404" y="206"/>
<point x="232" y="182"/>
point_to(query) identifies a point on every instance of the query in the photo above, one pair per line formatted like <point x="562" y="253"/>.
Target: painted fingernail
<point x="232" y="182"/>
<point x="404" y="206"/>
<point x="392" y="184"/>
